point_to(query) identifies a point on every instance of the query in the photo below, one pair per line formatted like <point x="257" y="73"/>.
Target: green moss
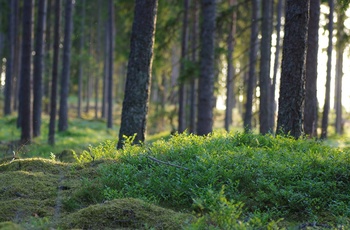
<point x="125" y="213"/>
<point x="8" y="225"/>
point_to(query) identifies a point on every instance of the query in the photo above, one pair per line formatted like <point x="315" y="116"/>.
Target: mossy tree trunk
<point x="135" y="104"/>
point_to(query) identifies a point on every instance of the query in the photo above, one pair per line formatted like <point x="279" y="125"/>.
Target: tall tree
<point x="56" y="48"/>
<point x="230" y="67"/>
<point x="310" y="105"/>
<point x="265" y="112"/>
<point x="25" y="86"/>
<point x="280" y="7"/>
<point x="10" y="60"/>
<point x="340" y="46"/>
<point x="81" y="61"/>
<point x="206" y="71"/>
<point x="110" y="64"/>
<point x="184" y="53"/>
<point x="64" y="91"/>
<point x="292" y="89"/>
<point x="253" y="52"/>
<point x="39" y="67"/>
<point x="135" y="104"/>
<point x="326" y="106"/>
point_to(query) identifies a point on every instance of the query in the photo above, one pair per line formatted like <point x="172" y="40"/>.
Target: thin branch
<point x="167" y="163"/>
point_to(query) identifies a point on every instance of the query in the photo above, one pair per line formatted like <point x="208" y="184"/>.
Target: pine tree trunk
<point x="310" y="107"/>
<point x="184" y="51"/>
<point x="252" y="67"/>
<point x="25" y="86"/>
<point x="339" y="73"/>
<point x="64" y="91"/>
<point x="56" y="48"/>
<point x="110" y="66"/>
<point x="206" y="72"/>
<point x="326" y="107"/>
<point x="230" y="67"/>
<point x="39" y="67"/>
<point x="10" y="59"/>
<point x="81" y="50"/>
<point x="265" y="60"/>
<point x="292" y="89"/>
<point x="135" y="104"/>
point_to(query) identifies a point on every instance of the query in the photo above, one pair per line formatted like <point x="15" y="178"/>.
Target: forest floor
<point x="225" y="181"/>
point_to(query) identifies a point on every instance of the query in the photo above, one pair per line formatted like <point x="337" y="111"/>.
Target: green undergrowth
<point x="220" y="181"/>
<point x="231" y="178"/>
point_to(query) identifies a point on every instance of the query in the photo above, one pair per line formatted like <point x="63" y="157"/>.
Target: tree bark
<point x="310" y="107"/>
<point x="135" y="104"/>
<point x="110" y="66"/>
<point x="81" y="51"/>
<point x="11" y="57"/>
<point x="340" y="46"/>
<point x="252" y="66"/>
<point x="206" y="72"/>
<point x="64" y="91"/>
<point x="326" y="107"/>
<point x="39" y="67"/>
<point x="25" y="86"/>
<point x="230" y="67"/>
<point x="277" y="61"/>
<point x="265" y="63"/>
<point x="53" y="99"/>
<point x="184" y="51"/>
<point x="292" y="88"/>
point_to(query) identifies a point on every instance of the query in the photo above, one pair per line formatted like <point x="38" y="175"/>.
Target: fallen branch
<point x="167" y="163"/>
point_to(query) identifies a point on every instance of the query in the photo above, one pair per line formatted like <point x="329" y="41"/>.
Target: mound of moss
<point x="125" y="213"/>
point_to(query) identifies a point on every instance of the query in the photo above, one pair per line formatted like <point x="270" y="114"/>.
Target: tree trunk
<point x="105" y="73"/>
<point x="10" y="60"/>
<point x="39" y="67"/>
<point x="25" y="86"/>
<point x="135" y="104"/>
<point x="193" y="84"/>
<point x="277" y="61"/>
<point x="56" y="48"/>
<point x="292" y="89"/>
<point x="184" y="51"/>
<point x="81" y="61"/>
<point x="110" y="66"/>
<point x="48" y="60"/>
<point x="310" y="107"/>
<point x="252" y="66"/>
<point x="98" y="57"/>
<point x="265" y="63"/>
<point x="206" y="72"/>
<point x="230" y="67"/>
<point x="340" y="46"/>
<point x="326" y="106"/>
<point x="64" y="91"/>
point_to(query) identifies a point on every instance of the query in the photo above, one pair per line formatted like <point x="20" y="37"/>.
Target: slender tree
<point x="252" y="66"/>
<point x="206" y="72"/>
<point x="56" y="48"/>
<point x="265" y="63"/>
<point x="135" y="104"/>
<point x="310" y="107"/>
<point x="292" y="89"/>
<point x="326" y="106"/>
<point x="64" y="91"/>
<point x="39" y="67"/>
<point x="10" y="60"/>
<point x="81" y="61"/>
<point x="340" y="46"/>
<point x="25" y="86"/>
<point x="230" y="67"/>
<point x="110" y="65"/>
<point x="184" y="53"/>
